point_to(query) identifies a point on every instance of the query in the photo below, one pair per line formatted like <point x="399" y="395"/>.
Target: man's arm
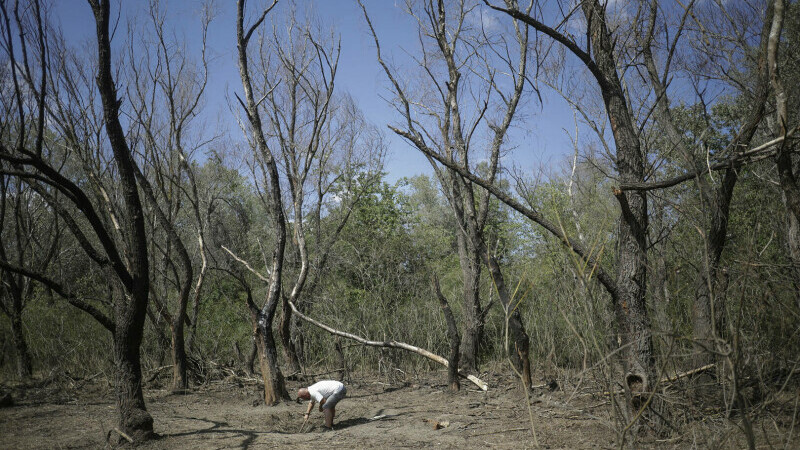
<point x="321" y="402"/>
<point x="310" y="407"/>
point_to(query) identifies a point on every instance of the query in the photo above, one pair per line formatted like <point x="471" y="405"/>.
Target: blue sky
<point x="539" y="140"/>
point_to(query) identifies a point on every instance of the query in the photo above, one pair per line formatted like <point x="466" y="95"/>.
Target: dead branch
<point x="498" y="432"/>
<point x="688" y="373"/>
<point x="118" y="431"/>
<point x="388" y="344"/>
<point x="247" y="265"/>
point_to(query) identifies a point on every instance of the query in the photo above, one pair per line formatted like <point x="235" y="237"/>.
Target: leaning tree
<point x="52" y="99"/>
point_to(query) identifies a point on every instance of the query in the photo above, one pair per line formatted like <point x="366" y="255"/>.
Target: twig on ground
<point x="127" y="438"/>
<point x="499" y="431"/>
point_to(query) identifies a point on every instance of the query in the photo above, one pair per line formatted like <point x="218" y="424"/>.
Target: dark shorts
<point x="331" y="401"/>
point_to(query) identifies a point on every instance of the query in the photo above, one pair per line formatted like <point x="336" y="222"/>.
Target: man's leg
<point x="329" y="413"/>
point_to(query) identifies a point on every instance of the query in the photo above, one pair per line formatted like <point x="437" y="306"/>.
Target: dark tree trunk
<point x="180" y="381"/>
<point x="177" y="322"/>
<point x="251" y="358"/>
<point x="289" y="351"/>
<point x="342" y="361"/>
<point x="274" y="385"/>
<point x="706" y="311"/>
<point x="452" y="337"/>
<point x="163" y="341"/>
<point x="297" y="336"/>
<point x="659" y="277"/>
<point x="134" y="420"/>
<point x="274" y="388"/>
<point x="631" y="308"/>
<point x="24" y="367"/>
<point x="129" y="309"/>
<point x="705" y="303"/>
<point x="518" y="342"/>
<point x="473" y="317"/>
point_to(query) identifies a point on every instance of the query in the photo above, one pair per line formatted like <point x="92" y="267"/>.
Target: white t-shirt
<point x="324" y="389"/>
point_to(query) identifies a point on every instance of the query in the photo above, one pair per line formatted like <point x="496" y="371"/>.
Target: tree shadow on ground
<point x="221" y="428"/>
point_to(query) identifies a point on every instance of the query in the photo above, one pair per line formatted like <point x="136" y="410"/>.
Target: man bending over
<point x="327" y="393"/>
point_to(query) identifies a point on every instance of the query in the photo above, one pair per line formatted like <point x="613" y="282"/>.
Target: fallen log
<point x="388" y="344"/>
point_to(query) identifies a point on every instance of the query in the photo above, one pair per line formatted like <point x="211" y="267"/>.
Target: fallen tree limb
<point x="688" y="373"/>
<point x="388" y="344"/>
<point x="119" y="432"/>
<point x="499" y="431"/>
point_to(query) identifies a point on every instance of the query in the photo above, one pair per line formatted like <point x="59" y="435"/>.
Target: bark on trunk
<point x="164" y="343"/>
<point x="134" y="420"/>
<point x="129" y="309"/>
<point x="659" y="283"/>
<point x="289" y="351"/>
<point x="518" y="343"/>
<point x="473" y="323"/>
<point x="274" y="385"/>
<point x="251" y="358"/>
<point x="24" y="367"/>
<point x="274" y="388"/>
<point x="452" y="337"/>
<point x="180" y="381"/>
<point x="631" y="308"/>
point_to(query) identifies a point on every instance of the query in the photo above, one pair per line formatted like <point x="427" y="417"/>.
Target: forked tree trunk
<point x="274" y="388"/>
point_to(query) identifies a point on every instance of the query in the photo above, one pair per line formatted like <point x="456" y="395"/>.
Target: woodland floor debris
<point x="221" y="415"/>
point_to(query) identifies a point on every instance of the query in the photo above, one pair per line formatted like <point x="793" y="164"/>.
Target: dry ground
<point x="228" y="414"/>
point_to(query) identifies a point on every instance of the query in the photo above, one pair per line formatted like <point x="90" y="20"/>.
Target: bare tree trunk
<point x="519" y="344"/>
<point x="659" y="283"/>
<point x="251" y="358"/>
<point x="163" y="341"/>
<point x="129" y="309"/>
<point x="703" y="309"/>
<point x="274" y="388"/>
<point x="180" y="381"/>
<point x="473" y="324"/>
<point x="783" y="159"/>
<point x="337" y="347"/>
<point x="274" y="385"/>
<point x="24" y="367"/>
<point x="452" y="336"/>
<point x="631" y="308"/>
<point x="289" y="351"/>
<point x="134" y="419"/>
